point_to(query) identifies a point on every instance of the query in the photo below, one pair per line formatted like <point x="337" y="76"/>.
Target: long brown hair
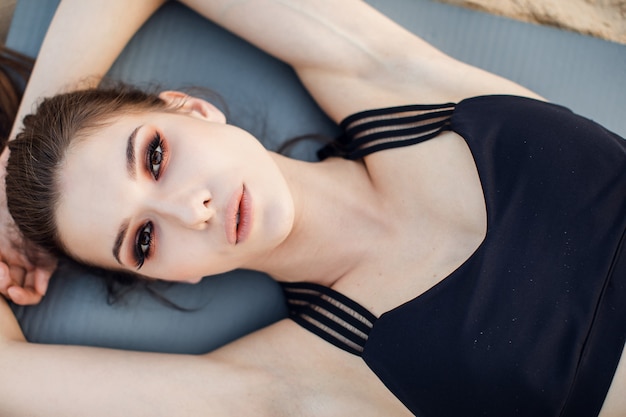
<point x="15" y="70"/>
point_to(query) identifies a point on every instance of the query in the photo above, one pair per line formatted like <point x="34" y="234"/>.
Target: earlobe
<point x="194" y="106"/>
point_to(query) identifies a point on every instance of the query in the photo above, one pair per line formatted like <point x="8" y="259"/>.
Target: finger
<point x="23" y="296"/>
<point x="29" y="276"/>
<point x="42" y="278"/>
<point x="5" y="278"/>
<point x="17" y="274"/>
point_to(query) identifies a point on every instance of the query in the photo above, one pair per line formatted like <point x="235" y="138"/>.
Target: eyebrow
<point x="121" y="234"/>
<point x="131" y="165"/>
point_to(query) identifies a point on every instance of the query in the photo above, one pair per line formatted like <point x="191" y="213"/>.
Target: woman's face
<point x="172" y="196"/>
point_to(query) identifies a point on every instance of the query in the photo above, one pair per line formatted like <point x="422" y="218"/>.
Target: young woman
<point x="460" y="255"/>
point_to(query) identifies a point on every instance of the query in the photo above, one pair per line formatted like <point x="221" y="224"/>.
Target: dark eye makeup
<point x="144" y="238"/>
<point x="143" y="244"/>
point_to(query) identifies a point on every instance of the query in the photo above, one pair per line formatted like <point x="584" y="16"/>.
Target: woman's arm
<point x="351" y="57"/>
<point x="71" y="381"/>
<point x="83" y="40"/>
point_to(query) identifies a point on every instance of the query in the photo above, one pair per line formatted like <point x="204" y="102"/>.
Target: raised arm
<point x="72" y="381"/>
<point x="83" y="40"/>
<point x="347" y="54"/>
<point x="351" y="57"/>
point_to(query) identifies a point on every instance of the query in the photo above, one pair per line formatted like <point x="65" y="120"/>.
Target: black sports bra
<point x="534" y="322"/>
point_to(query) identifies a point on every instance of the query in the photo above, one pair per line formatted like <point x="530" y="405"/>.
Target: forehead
<point x="91" y="181"/>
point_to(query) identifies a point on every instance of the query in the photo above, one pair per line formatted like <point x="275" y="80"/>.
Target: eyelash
<point x="144" y="240"/>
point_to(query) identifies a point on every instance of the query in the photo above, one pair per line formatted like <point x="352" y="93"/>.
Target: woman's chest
<point x="434" y="198"/>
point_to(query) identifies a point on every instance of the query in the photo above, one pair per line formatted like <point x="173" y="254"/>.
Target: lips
<point x="239" y="217"/>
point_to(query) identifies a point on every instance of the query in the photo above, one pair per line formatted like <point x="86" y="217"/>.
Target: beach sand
<point x="605" y="19"/>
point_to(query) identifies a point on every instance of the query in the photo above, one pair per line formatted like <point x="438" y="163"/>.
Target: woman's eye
<point x="155" y="161"/>
<point x="154" y="156"/>
<point x="143" y="244"/>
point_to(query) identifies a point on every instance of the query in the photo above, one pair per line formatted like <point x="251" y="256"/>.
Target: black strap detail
<point x="374" y="130"/>
<point x="330" y="315"/>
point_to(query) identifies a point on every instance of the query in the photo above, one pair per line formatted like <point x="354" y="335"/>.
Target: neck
<point x="338" y="221"/>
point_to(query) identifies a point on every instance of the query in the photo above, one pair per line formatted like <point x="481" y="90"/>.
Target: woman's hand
<point x="23" y="280"/>
<point x="24" y="274"/>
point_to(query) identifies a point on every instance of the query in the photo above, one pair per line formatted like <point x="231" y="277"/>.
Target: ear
<point x="194" y="106"/>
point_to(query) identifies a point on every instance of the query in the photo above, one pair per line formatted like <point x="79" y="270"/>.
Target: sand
<point x="605" y="19"/>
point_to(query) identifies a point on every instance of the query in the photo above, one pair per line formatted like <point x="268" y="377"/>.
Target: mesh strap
<point x="330" y="315"/>
<point x="374" y="130"/>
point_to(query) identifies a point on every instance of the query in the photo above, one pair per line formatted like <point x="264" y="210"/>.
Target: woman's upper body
<point x="349" y="68"/>
<point x="531" y="321"/>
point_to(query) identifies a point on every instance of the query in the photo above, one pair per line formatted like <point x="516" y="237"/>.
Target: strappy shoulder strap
<point x="392" y="127"/>
<point x="330" y="315"/>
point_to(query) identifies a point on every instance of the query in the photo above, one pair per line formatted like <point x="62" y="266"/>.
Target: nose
<point x="190" y="208"/>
